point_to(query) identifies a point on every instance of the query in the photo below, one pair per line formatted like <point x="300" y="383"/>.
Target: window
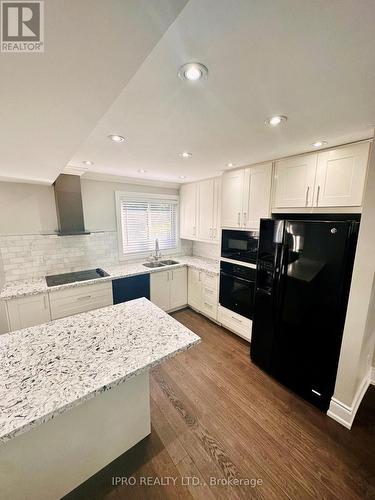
<point x="141" y="218"/>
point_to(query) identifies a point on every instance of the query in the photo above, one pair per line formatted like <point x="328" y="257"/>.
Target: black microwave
<point x="240" y="245"/>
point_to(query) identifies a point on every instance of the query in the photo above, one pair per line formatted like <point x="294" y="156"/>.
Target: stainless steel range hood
<point x="69" y="205"/>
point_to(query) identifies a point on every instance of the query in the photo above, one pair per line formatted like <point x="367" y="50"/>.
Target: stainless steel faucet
<point x="157" y="253"/>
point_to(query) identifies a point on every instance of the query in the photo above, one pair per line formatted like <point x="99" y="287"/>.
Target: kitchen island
<point x="74" y="394"/>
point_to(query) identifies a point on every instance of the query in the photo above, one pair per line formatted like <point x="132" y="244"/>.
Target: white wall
<point x="359" y="333"/>
<point x="26" y="209"/>
<point x="99" y="201"/>
<point x="30" y="208"/>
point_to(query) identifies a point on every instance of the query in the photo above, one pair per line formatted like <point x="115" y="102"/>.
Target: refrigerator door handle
<point x="281" y="275"/>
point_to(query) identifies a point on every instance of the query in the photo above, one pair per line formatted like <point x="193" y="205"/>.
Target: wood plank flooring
<point x="219" y="425"/>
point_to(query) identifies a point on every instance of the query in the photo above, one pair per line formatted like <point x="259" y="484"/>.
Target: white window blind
<point x="144" y="220"/>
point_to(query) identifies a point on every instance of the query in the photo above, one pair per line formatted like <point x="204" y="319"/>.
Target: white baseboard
<point x="345" y="414"/>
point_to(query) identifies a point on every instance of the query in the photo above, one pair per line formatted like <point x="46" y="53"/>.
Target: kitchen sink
<point x="153" y="264"/>
<point x="160" y="263"/>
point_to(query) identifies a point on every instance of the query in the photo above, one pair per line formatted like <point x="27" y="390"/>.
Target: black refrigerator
<point x="304" y="270"/>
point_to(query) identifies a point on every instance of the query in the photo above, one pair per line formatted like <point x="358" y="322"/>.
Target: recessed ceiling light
<point x="229" y="165"/>
<point x="182" y="176"/>
<point x="185" y="154"/>
<point x="116" y="138"/>
<point x="319" y="144"/>
<point x="276" y="120"/>
<point x="192" y="71"/>
<point x="88" y="162"/>
<point x="142" y="171"/>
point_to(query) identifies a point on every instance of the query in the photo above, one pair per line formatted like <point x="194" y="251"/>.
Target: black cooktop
<point x="62" y="279"/>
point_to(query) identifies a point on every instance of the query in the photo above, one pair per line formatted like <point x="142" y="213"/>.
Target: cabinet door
<point x="231" y="198"/>
<point x="216" y="234"/>
<point x="178" y="287"/>
<point x="206" y="210"/>
<point x="194" y="288"/>
<point x="295" y="179"/>
<point x="28" y="311"/>
<point x="188" y="211"/>
<point x="341" y="176"/>
<point x="159" y="289"/>
<point x="257" y="194"/>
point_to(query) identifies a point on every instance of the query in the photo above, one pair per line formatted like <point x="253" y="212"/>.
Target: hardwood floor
<point x="218" y="419"/>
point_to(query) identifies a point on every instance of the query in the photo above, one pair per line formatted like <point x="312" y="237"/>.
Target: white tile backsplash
<point x="35" y="256"/>
<point x="209" y="250"/>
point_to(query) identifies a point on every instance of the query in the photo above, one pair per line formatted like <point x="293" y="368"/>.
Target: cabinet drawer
<point x="209" y="281"/>
<point x="209" y="295"/>
<point x="234" y="322"/>
<point x="80" y="299"/>
<point x="209" y="309"/>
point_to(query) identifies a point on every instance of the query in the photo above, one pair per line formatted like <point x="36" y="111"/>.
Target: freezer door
<point x="265" y="301"/>
<point x="311" y="307"/>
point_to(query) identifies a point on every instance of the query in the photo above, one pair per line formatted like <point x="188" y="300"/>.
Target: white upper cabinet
<point x="199" y="208"/>
<point x="231" y="198"/>
<point x="341" y="176"/>
<point x="257" y="195"/>
<point x="295" y="178"/>
<point x="206" y="210"/>
<point x="245" y="196"/>
<point x="333" y="178"/>
<point x="188" y="211"/>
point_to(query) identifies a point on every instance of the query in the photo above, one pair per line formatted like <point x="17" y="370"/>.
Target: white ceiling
<point x="312" y="60"/>
<point x="49" y="103"/>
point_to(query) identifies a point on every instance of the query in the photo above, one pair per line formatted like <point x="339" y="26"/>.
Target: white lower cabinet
<point x="80" y="299"/>
<point x="203" y="292"/>
<point x="28" y="311"/>
<point x="168" y="289"/>
<point x="234" y="322"/>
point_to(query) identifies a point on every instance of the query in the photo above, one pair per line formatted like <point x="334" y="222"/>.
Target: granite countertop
<point x="48" y="369"/>
<point x="23" y="288"/>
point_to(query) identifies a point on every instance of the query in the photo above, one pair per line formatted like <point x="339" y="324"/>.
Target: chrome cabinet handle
<point x="211" y="231"/>
<point x="307" y="196"/>
<point x="244" y="219"/>
<point x="86" y="297"/>
<point x="317" y="196"/>
<point x="215" y="233"/>
<point x="239" y="218"/>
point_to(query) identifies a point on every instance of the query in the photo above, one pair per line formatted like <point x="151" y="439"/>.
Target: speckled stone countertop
<point x="22" y="288"/>
<point x="48" y="369"/>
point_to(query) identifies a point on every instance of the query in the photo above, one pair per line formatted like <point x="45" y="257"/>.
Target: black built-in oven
<point x="237" y="288"/>
<point x="239" y="245"/>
